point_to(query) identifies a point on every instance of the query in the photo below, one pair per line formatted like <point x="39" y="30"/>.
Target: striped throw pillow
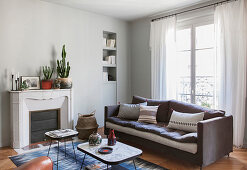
<point x="148" y="114"/>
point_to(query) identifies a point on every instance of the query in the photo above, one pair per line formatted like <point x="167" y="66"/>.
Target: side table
<point x="59" y="135"/>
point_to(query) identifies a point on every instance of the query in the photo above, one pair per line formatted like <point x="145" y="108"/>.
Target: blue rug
<point x="69" y="162"/>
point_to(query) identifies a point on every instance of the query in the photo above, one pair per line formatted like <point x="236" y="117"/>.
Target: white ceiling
<point x="127" y="9"/>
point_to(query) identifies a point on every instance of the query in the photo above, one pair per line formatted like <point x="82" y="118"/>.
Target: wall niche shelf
<point x="109" y="48"/>
<point x="109" y="67"/>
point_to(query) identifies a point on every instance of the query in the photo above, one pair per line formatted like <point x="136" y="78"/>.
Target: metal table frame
<point x="59" y="140"/>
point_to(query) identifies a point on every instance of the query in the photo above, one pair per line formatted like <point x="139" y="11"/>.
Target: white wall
<point x="32" y="33"/>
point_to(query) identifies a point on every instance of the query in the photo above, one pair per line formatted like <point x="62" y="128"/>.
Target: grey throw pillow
<point x="130" y="111"/>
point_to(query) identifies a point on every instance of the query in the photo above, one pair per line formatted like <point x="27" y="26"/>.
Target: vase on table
<point x="111" y="138"/>
<point x="95" y="139"/>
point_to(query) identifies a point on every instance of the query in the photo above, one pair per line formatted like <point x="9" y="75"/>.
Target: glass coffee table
<point x="121" y="153"/>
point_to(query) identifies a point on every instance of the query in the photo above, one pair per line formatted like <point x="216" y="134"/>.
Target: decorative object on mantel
<point x="12" y="82"/>
<point x="47" y="82"/>
<point x="17" y="81"/>
<point x="111" y="138"/>
<point x="95" y="139"/>
<point x="57" y="84"/>
<point x="33" y="82"/>
<point x="86" y="125"/>
<point x="24" y="86"/>
<point x="63" y="70"/>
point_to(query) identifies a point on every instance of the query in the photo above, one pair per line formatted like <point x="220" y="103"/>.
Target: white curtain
<point x="162" y="44"/>
<point x="231" y="47"/>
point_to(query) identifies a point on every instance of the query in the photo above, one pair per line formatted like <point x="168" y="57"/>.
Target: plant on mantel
<point x="47" y="82"/>
<point x="63" y="70"/>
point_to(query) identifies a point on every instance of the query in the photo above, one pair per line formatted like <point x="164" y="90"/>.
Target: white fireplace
<point x="24" y="102"/>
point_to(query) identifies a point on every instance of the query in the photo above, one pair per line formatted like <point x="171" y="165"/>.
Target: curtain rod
<point x="206" y="6"/>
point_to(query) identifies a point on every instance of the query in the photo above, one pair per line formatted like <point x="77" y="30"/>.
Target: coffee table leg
<point x="134" y="164"/>
<point x="49" y="147"/>
<point x="57" y="152"/>
<point x="74" y="151"/>
<point x="83" y="160"/>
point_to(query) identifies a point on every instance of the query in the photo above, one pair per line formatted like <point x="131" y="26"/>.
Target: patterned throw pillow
<point x="148" y="114"/>
<point x="185" y="121"/>
<point x="130" y="111"/>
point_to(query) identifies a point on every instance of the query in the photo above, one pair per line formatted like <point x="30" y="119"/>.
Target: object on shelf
<point x="105" y="76"/>
<point x="95" y="139"/>
<point x="47" y="82"/>
<point x="57" y="84"/>
<point x="104" y="42"/>
<point x="113" y="59"/>
<point x="105" y="62"/>
<point x="12" y="82"/>
<point x="111" y="138"/>
<point x="63" y="70"/>
<point x="16" y="85"/>
<point x="24" y="85"/>
<point x="110" y="78"/>
<point x="110" y="43"/>
<point x="86" y="125"/>
<point x="33" y="82"/>
<point x="108" y="59"/>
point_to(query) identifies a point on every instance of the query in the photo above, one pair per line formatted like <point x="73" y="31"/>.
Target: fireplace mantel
<point x="23" y="102"/>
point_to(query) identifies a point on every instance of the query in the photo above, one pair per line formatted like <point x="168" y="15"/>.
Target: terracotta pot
<point x="46" y="84"/>
<point x="65" y="83"/>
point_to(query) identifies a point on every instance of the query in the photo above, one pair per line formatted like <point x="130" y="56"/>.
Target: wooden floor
<point x="236" y="161"/>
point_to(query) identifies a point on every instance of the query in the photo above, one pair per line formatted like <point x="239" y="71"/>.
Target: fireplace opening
<point x="41" y="122"/>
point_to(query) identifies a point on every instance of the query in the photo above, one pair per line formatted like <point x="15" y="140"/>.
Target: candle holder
<point x="18" y="84"/>
<point x="12" y="82"/>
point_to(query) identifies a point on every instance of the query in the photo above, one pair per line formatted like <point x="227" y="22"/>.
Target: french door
<point x="196" y="64"/>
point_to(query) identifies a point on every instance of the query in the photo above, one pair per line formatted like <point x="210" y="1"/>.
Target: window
<point x="196" y="64"/>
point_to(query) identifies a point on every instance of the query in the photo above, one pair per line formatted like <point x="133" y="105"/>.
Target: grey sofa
<point x="212" y="141"/>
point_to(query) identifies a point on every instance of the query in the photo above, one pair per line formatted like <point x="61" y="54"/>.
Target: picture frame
<point x="33" y="82"/>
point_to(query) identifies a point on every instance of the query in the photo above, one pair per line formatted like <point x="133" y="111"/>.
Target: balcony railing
<point x="204" y="90"/>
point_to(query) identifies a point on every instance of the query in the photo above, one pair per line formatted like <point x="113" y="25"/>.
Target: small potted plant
<point x="47" y="82"/>
<point x="24" y="86"/>
<point x="63" y="70"/>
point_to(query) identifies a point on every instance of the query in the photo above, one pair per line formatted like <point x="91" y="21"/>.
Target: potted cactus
<point x="47" y="82"/>
<point x="63" y="69"/>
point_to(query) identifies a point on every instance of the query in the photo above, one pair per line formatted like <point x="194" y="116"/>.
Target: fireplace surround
<point x="24" y="102"/>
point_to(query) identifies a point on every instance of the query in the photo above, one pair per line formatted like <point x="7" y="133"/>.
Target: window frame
<point x="192" y="24"/>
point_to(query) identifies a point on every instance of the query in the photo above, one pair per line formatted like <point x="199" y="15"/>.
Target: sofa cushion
<point x="148" y="114"/>
<point x="130" y="111"/>
<point x="162" y="113"/>
<point x="138" y="99"/>
<point x="193" y="108"/>
<point x="185" y="121"/>
<point x="160" y="129"/>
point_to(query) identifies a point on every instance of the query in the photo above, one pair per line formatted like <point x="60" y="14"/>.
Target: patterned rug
<point x="69" y="162"/>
